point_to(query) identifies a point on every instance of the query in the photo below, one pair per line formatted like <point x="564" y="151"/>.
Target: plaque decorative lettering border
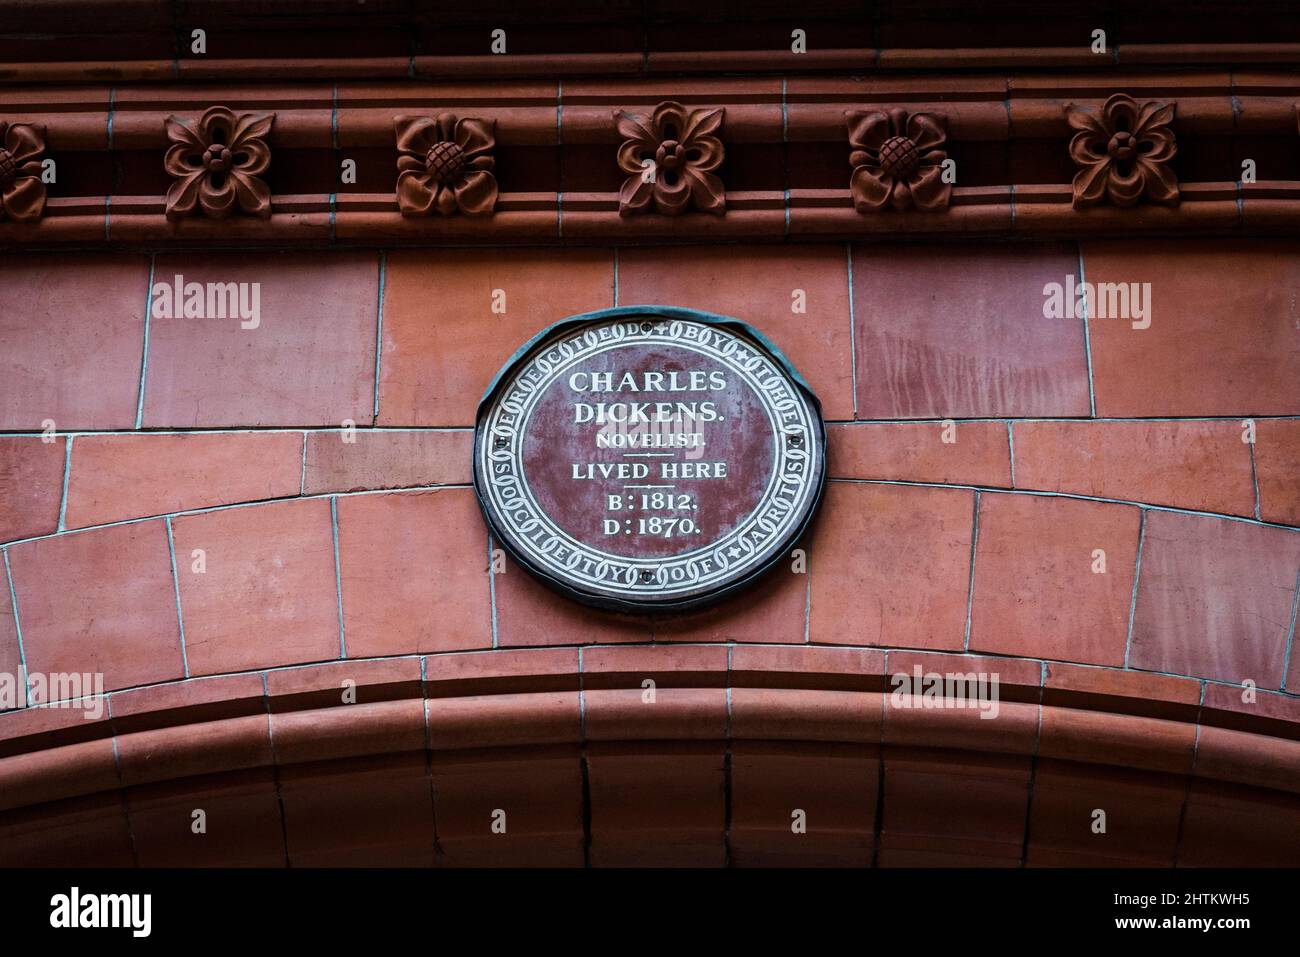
<point x="649" y="458"/>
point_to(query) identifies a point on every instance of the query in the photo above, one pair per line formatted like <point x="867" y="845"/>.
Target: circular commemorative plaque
<point x="649" y="458"/>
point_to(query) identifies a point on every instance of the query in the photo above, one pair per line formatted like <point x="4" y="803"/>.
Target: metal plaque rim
<point x="692" y="602"/>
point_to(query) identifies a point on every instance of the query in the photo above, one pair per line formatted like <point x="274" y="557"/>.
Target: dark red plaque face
<point x="652" y="457"/>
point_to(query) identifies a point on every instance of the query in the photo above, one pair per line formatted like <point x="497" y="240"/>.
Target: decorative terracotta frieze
<point x="815" y="207"/>
<point x="22" y="194"/>
<point x="1123" y="153"/>
<point x="445" y="165"/>
<point x="671" y="157"/>
<point x="897" y="160"/>
<point x="217" y="161"/>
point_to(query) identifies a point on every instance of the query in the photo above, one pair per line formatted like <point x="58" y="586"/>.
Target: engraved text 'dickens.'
<point x="648" y="457"/>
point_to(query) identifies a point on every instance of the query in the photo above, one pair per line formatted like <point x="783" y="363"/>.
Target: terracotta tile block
<point x="973" y="805"/>
<point x="587" y="103"/>
<point x="309" y="361"/>
<point x="241" y="813"/>
<point x="1036" y="591"/>
<point x="267" y="596"/>
<point x="31" y="485"/>
<point x="38" y="729"/>
<point x="959" y="332"/>
<point x="193" y="699"/>
<point x="386" y="459"/>
<point x="522" y="669"/>
<point x="1277" y="469"/>
<point x="835" y="788"/>
<point x="117" y="477"/>
<point x="1258" y="704"/>
<point x="671" y="665"/>
<point x="916" y="452"/>
<point x="981" y="724"/>
<point x="186" y="750"/>
<point x="1197" y="465"/>
<point x="100" y="601"/>
<point x="72" y="352"/>
<point x="1098" y="737"/>
<point x="775" y="609"/>
<point x="757" y="284"/>
<point x="1017" y="677"/>
<point x="659" y="714"/>
<point x="504" y="720"/>
<point x="365" y="812"/>
<point x="817" y="103"/>
<point x="414" y="567"/>
<point x="1228" y="825"/>
<point x="10" y="657"/>
<point x="535" y="795"/>
<point x="443" y="343"/>
<point x="348" y="730"/>
<point x="890" y="565"/>
<point x="343" y="683"/>
<point x="1214" y="598"/>
<point x="1142" y="810"/>
<point x="81" y="832"/>
<point x="1111" y="689"/>
<point x="656" y="806"/>
<point x="529" y="613"/>
<point x="952" y="701"/>
<point x="803" y="714"/>
<point x="759" y="664"/>
<point x="1259" y="760"/>
<point x="59" y="772"/>
<point x="1222" y="334"/>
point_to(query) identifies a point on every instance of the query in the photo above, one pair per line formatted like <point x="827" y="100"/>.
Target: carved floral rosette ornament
<point x="1123" y="153"/>
<point x="217" y="161"/>
<point x="22" y="194"/>
<point x="897" y="160"/>
<point x="445" y="165"/>
<point x="671" y="157"/>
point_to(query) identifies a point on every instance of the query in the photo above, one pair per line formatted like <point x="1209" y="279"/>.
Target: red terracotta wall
<point x="316" y="468"/>
<point x="158" y="422"/>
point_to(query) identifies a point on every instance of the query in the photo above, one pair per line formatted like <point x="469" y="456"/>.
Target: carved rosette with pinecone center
<point x="22" y="194"/>
<point x="898" y="161"/>
<point x="445" y="165"/>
